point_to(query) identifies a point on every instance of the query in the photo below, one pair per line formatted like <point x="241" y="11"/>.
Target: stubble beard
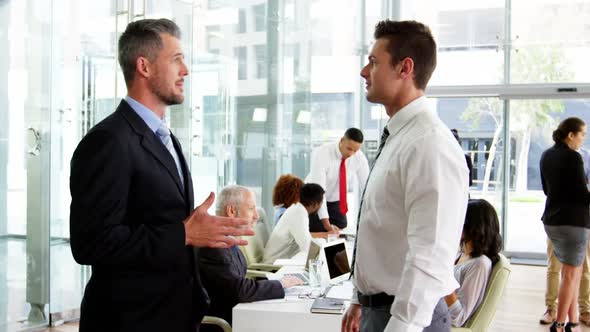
<point x="160" y="91"/>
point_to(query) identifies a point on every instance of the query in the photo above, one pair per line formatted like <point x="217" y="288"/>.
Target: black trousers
<point x="336" y="218"/>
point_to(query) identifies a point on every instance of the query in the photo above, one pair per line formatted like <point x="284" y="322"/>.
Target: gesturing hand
<point x="205" y="230"/>
<point x="352" y="319"/>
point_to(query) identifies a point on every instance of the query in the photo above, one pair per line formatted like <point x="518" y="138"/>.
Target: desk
<point x="290" y="316"/>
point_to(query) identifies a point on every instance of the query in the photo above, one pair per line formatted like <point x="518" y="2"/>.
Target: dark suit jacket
<point x="223" y="272"/>
<point x="564" y="183"/>
<point x="126" y="221"/>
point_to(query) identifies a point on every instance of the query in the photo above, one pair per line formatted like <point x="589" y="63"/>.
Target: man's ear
<point x="142" y="67"/>
<point x="230" y="211"/>
<point x="406" y="67"/>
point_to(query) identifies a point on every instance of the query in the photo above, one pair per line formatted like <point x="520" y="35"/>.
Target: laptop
<point x="313" y="252"/>
<point x="335" y="261"/>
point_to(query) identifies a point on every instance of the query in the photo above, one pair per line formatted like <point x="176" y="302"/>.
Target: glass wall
<point x="269" y="81"/>
<point x="531" y="125"/>
<point x="476" y="58"/>
<point x="480" y="124"/>
<point x="291" y="83"/>
<point x="25" y="86"/>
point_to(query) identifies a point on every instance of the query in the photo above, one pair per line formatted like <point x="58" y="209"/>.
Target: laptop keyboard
<point x="304" y="276"/>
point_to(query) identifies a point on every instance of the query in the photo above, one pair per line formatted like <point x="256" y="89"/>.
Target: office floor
<point x="521" y="307"/>
<point x="67" y="281"/>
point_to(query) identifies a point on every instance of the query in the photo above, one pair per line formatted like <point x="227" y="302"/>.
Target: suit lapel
<point x="151" y="143"/>
<point x="186" y="175"/>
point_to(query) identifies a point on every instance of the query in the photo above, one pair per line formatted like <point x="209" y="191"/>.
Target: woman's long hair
<point x="482" y="228"/>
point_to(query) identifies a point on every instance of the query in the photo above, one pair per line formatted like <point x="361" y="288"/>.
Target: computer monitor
<point x="335" y="261"/>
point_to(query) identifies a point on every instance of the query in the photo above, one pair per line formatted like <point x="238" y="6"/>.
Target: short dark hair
<point x="569" y="125"/>
<point x="354" y="134"/>
<point x="142" y="38"/>
<point x="410" y="39"/>
<point x="482" y="228"/>
<point x="456" y="135"/>
<point x="311" y="193"/>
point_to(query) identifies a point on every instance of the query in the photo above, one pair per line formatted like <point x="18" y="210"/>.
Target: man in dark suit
<point x="131" y="215"/>
<point x="223" y="271"/>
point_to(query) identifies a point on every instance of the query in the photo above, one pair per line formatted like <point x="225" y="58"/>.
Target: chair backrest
<point x="481" y="319"/>
<point x="262" y="228"/>
<point x="255" y="248"/>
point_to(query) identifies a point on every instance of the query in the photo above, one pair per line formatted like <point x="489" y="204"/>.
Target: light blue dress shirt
<point x="153" y="122"/>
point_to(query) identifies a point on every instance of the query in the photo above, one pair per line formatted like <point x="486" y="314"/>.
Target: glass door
<point x="25" y="90"/>
<point x="213" y="122"/>
<point x="83" y="73"/>
<point x="532" y="122"/>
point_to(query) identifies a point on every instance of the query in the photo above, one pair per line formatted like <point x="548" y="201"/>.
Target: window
<point x="531" y="125"/>
<point x="241" y="26"/>
<point x="241" y="54"/>
<point x="551" y="41"/>
<point x="213" y="36"/>
<point x="259" y="17"/>
<point x="261" y="64"/>
<point x="469" y="36"/>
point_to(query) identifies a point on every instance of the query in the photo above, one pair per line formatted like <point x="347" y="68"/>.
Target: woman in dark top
<point x="566" y="217"/>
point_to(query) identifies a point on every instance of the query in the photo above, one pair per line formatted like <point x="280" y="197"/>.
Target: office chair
<point x="255" y="248"/>
<point x="222" y="323"/>
<point x="481" y="319"/>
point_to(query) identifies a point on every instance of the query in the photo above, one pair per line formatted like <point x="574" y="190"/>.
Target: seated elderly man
<point x="223" y="271"/>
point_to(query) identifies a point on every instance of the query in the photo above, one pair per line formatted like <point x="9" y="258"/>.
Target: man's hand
<point x="290" y="281"/>
<point x="335" y="230"/>
<point x="205" y="230"/>
<point x="351" y="320"/>
<point x="326" y="224"/>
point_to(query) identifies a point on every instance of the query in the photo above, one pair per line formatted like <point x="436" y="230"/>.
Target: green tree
<point x="527" y="117"/>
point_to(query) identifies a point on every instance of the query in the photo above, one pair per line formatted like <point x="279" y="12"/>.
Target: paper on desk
<point x="283" y="300"/>
<point x="297" y="290"/>
<point x="343" y="291"/>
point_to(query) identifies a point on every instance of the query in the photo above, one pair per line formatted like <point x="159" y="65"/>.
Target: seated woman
<point x="291" y="234"/>
<point x="480" y="244"/>
<point x="285" y="193"/>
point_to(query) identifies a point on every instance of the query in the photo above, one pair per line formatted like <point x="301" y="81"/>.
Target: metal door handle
<point x="35" y="150"/>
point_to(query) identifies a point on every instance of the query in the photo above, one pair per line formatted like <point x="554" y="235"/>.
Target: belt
<point x="375" y="300"/>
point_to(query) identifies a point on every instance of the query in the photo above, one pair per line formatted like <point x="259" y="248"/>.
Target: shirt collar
<point x="149" y="117"/>
<point x="407" y="113"/>
<point x="337" y="152"/>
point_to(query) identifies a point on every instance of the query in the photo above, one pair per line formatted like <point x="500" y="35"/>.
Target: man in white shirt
<point x="414" y="204"/>
<point x="333" y="166"/>
<point x="291" y="234"/>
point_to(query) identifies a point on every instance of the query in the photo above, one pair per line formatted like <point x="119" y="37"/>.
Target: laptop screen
<point x="313" y="253"/>
<point x="336" y="259"/>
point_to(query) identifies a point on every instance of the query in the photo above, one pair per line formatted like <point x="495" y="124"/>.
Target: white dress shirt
<point x="325" y="171"/>
<point x="290" y="235"/>
<point x="412" y="216"/>
<point x="473" y="275"/>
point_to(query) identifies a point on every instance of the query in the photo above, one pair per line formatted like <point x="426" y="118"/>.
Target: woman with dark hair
<point x="566" y="217"/>
<point x="285" y="193"/>
<point x="480" y="245"/>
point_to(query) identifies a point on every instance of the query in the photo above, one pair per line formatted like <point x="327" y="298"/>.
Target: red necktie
<point x="342" y="180"/>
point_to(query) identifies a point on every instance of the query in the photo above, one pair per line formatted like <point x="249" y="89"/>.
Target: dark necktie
<point x="342" y="182"/>
<point x="358" y="220"/>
